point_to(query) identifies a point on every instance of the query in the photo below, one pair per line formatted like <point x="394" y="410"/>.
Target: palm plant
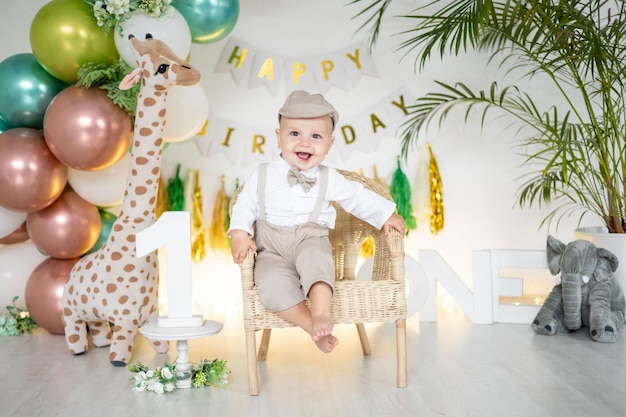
<point x="575" y="152"/>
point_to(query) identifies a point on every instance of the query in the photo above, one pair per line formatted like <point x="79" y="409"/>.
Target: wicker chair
<point x="380" y="299"/>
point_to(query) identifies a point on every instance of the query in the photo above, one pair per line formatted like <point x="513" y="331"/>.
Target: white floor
<point x="456" y="368"/>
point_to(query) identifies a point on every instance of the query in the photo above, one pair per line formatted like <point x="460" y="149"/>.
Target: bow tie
<point x="294" y="176"/>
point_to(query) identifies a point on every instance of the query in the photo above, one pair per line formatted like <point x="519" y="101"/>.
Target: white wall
<point x="478" y="168"/>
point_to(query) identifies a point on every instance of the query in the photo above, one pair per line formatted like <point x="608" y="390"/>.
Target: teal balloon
<point x="209" y="20"/>
<point x="107" y="219"/>
<point x="4" y="125"/>
<point x="27" y="90"/>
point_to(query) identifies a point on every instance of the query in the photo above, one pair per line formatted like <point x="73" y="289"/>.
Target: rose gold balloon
<point x="30" y="176"/>
<point x="67" y="228"/>
<point x="85" y="130"/>
<point x="44" y="293"/>
<point x="18" y="235"/>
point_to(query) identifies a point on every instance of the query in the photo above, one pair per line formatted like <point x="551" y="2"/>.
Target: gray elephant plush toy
<point x="587" y="293"/>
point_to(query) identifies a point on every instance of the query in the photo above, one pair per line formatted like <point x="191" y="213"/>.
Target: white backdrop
<point x="478" y="168"/>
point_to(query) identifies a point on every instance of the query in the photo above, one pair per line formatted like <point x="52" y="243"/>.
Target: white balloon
<point x="103" y="188"/>
<point x="173" y="30"/>
<point x="18" y="261"/>
<point x="10" y="221"/>
<point x="187" y="109"/>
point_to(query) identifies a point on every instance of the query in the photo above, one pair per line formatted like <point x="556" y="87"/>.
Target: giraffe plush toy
<point x="113" y="285"/>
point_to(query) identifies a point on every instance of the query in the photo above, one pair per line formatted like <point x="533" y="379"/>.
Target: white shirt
<point x="292" y="206"/>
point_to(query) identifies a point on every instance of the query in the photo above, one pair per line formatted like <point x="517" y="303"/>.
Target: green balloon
<point x="64" y="35"/>
<point x="107" y="219"/>
<point x="208" y="20"/>
<point x="27" y="90"/>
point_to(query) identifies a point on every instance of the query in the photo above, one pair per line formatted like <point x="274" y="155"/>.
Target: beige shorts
<point x="289" y="261"/>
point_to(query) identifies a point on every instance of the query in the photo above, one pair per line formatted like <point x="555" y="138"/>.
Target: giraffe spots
<point x="96" y="313"/>
<point x="139" y="220"/>
<point x="117" y="227"/>
<point x="70" y="290"/>
<point x="129" y="268"/>
<point x="116" y="256"/>
<point x="145" y="131"/>
<point x="105" y="302"/>
<point x="141" y="190"/>
<point x="133" y="279"/>
<point x="73" y="338"/>
<point x="133" y="204"/>
<point x="96" y="290"/>
<point x="146" y="301"/>
<point x="162" y="112"/>
<point x="131" y="238"/>
<point x="111" y="288"/>
<point x="123" y="299"/>
<point x="84" y="299"/>
<point x="126" y="312"/>
<point x="67" y="312"/>
<point x="142" y="160"/>
<point x="94" y="277"/>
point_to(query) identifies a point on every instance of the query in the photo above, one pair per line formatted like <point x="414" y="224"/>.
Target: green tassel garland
<point x="400" y="191"/>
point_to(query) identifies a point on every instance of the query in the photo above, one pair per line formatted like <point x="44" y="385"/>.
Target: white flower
<point x="169" y="387"/>
<point x="166" y="373"/>
<point x="118" y="7"/>
<point x="158" y="388"/>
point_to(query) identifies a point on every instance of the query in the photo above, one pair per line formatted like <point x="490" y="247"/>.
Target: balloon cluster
<point x="64" y="148"/>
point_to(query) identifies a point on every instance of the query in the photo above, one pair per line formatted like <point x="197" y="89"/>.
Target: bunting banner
<point x="366" y="131"/>
<point x="342" y="68"/>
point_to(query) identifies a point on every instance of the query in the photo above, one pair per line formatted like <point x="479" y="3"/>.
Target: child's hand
<point x="240" y="243"/>
<point x="394" y="222"/>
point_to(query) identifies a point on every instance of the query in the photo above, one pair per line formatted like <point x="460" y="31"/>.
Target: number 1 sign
<point x="173" y="232"/>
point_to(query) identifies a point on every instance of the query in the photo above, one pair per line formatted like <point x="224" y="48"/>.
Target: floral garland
<point x="108" y="13"/>
<point x="163" y="379"/>
<point x="17" y="322"/>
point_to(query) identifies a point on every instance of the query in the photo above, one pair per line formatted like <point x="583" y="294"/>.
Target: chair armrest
<point x="247" y="271"/>
<point x="396" y="254"/>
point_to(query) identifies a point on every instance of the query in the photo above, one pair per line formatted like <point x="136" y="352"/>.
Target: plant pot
<point x="613" y="242"/>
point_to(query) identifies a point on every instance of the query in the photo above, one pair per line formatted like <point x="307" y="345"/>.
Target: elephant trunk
<point x="572" y="300"/>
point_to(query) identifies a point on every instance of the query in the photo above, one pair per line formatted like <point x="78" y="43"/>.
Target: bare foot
<point x="322" y="326"/>
<point x="327" y="343"/>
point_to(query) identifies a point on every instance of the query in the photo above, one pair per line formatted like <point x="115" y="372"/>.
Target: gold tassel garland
<point x="198" y="231"/>
<point x="436" y="194"/>
<point x="162" y="202"/>
<point x="218" y="238"/>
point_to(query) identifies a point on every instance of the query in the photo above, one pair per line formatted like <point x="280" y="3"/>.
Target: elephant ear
<point x="610" y="257"/>
<point x="554" y="250"/>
